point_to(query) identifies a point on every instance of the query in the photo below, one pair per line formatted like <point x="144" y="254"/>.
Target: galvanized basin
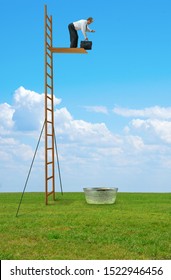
<point x="100" y="195"/>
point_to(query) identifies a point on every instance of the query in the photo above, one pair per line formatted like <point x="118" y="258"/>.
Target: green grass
<point x="137" y="226"/>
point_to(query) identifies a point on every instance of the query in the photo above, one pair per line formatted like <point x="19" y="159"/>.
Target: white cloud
<point x="26" y="113"/>
<point x="29" y="109"/>
<point x="97" y="109"/>
<point x="159" y="128"/>
<point x="151" y="112"/>
<point x="6" y="115"/>
<point x="27" y="98"/>
<point x="90" y="153"/>
<point x="155" y="122"/>
<point x="13" y="152"/>
<point x="82" y="131"/>
<point x="136" y="142"/>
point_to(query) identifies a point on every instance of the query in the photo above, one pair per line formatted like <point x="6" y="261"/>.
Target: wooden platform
<point x="68" y="50"/>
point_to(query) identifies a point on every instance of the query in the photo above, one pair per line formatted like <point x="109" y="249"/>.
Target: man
<point x="79" y="25"/>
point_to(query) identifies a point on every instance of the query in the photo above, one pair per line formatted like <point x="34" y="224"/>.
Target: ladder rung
<point x="49" y="75"/>
<point x="49" y="134"/>
<point x="49" y="109"/>
<point x="49" y="177"/>
<point x="48" y="18"/>
<point x="49" y="65"/>
<point x="49" y="46"/>
<point x="49" y="97"/>
<point x="50" y="193"/>
<point x="49" y="122"/>
<point x="48" y="36"/>
<point x="49" y="55"/>
<point x="50" y="162"/>
<point x="49" y="27"/>
<point x="49" y="148"/>
<point x="49" y="86"/>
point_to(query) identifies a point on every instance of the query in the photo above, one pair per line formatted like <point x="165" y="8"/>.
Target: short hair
<point x="90" y="19"/>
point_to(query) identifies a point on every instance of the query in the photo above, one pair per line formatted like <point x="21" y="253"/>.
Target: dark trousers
<point x="73" y="36"/>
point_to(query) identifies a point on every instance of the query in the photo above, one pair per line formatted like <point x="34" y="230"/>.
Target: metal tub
<point x="100" y="195"/>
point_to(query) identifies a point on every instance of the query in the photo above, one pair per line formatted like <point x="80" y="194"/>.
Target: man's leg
<point x="73" y="36"/>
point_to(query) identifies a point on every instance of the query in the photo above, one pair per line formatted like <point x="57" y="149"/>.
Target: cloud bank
<point x="138" y="158"/>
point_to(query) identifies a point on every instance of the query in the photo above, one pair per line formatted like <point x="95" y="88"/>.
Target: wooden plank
<point x="68" y="50"/>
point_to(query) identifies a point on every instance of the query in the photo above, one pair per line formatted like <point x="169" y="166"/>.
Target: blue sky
<point x="113" y="106"/>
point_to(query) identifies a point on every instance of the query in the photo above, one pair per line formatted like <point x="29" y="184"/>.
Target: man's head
<point x="90" y="20"/>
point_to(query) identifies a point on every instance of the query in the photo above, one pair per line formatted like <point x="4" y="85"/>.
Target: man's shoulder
<point x="82" y="20"/>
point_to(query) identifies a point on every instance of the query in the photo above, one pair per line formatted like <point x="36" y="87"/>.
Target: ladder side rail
<point x="53" y="136"/>
<point x="45" y="81"/>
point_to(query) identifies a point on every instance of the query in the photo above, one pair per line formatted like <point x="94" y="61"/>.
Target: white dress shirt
<point x="82" y="25"/>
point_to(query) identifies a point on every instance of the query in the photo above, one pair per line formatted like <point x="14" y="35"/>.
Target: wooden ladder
<point x="50" y="141"/>
<point x="49" y="111"/>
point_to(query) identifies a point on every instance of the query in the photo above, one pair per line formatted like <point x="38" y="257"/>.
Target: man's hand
<point x="93" y="31"/>
<point x="86" y="39"/>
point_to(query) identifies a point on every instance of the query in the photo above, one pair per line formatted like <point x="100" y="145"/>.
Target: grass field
<point x="137" y="226"/>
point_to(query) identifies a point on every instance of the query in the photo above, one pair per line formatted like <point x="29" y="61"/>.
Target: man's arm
<point x="84" y="29"/>
<point x="89" y="30"/>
